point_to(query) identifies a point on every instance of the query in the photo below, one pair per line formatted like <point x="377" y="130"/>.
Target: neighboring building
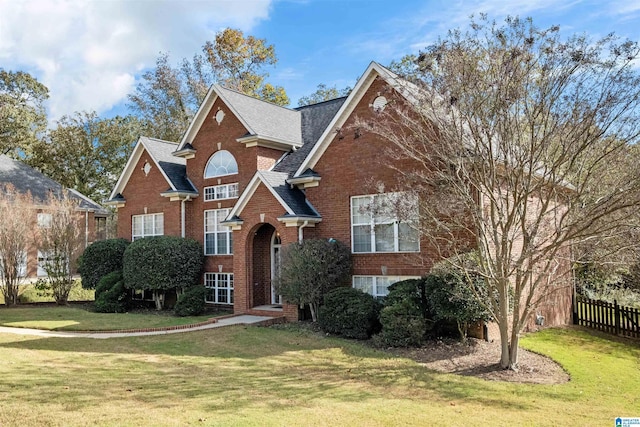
<point x="93" y="218"/>
<point x="249" y="177"/>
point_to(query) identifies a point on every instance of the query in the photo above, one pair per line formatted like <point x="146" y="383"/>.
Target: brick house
<point x="249" y="177"/>
<point x="92" y="216"/>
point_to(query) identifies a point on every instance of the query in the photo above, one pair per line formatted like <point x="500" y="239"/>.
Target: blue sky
<point x="90" y="54"/>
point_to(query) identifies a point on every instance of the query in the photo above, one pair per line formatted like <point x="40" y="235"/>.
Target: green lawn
<point x="28" y="293"/>
<point x="243" y="376"/>
<point x="79" y="319"/>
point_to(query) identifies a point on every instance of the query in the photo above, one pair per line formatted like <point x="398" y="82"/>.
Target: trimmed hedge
<point x="406" y="317"/>
<point x="191" y="302"/>
<point x="111" y="295"/>
<point x="162" y="263"/>
<point x="402" y="326"/>
<point x="99" y="259"/>
<point x="349" y="312"/>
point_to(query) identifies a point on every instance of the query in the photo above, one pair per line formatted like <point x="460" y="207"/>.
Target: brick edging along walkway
<point x="158" y="329"/>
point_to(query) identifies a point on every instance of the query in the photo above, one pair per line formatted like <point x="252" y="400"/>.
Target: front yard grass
<point x="63" y="318"/>
<point x="243" y="376"/>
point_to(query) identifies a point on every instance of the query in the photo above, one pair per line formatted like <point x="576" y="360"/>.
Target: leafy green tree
<point x="22" y="114"/>
<point x="323" y="93"/>
<point x="162" y="263"/>
<point x="86" y="152"/>
<point x="511" y="126"/>
<point x="168" y="97"/>
<point x="310" y="269"/>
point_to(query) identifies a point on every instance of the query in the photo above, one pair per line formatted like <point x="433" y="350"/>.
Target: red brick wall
<point x="248" y="158"/>
<point x="352" y="165"/>
<point x="244" y="245"/>
<point x="142" y="192"/>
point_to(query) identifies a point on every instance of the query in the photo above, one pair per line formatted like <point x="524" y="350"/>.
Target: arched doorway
<point x="265" y="265"/>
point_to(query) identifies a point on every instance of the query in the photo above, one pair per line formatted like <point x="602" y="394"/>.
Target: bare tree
<point x="60" y="242"/>
<point x="512" y="129"/>
<point x="16" y="213"/>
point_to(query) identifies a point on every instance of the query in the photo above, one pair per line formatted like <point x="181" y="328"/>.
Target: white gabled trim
<point x="365" y="81"/>
<point x="133" y="160"/>
<point x="198" y="119"/>
<point x="248" y="192"/>
<point x="268" y="142"/>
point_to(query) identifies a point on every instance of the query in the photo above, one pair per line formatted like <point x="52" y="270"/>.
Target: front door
<point x="275" y="266"/>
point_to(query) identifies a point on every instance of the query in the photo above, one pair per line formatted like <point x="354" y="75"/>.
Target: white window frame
<point x="379" y="285"/>
<point x="372" y="219"/>
<point x="214" y="291"/>
<point x="221" y="192"/>
<point x="215" y="228"/>
<point x="157" y="225"/>
<point x="43" y="259"/>
<point x="232" y="164"/>
<point x="44" y="219"/>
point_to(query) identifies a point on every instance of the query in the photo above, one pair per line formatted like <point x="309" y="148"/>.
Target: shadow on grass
<point x="232" y="368"/>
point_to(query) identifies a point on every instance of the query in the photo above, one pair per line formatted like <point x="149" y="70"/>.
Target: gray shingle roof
<point x="293" y="197"/>
<point x="315" y="119"/>
<point x="262" y="118"/>
<point x="26" y="179"/>
<point x="175" y="168"/>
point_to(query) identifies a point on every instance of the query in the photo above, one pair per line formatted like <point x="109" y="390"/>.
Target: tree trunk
<point x="513" y="350"/>
<point x="314" y="311"/>
<point x="158" y="298"/>
<point x="504" y="345"/>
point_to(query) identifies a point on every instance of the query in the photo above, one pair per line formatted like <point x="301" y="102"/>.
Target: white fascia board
<point x="233" y="110"/>
<point x="248" y="193"/>
<point x="341" y="117"/>
<point x="128" y="168"/>
<point x="198" y="119"/>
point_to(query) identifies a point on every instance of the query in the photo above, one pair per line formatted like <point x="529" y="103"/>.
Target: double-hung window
<point x="221" y="192"/>
<point x="378" y="286"/>
<point x="384" y="223"/>
<point x="219" y="287"/>
<point x="147" y="225"/>
<point x="218" y="239"/>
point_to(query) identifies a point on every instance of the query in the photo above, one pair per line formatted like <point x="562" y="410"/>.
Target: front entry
<point x="266" y="264"/>
<point x="276" y="244"/>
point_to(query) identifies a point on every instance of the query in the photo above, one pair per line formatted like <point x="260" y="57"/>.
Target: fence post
<point x="616" y="311"/>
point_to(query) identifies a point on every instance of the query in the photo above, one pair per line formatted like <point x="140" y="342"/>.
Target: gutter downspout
<point x="300" y="233"/>
<point x="86" y="229"/>
<point x="182" y="216"/>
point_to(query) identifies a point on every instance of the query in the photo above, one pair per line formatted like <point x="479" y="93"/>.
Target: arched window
<point x="220" y="164"/>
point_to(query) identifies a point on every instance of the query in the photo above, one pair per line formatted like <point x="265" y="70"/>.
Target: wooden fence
<point x="605" y="316"/>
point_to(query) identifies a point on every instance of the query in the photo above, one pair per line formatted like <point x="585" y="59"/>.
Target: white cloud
<point x="88" y="53"/>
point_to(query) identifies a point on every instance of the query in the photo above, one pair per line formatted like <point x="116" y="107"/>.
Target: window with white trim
<point x="219" y="288"/>
<point x="44" y="220"/>
<point x="221" y="192"/>
<point x="220" y="164"/>
<point x="147" y="225"/>
<point x="218" y="239"/>
<point x="48" y="259"/>
<point x="378" y="286"/>
<point x="384" y="223"/>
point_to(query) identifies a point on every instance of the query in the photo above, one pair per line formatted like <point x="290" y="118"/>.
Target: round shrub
<point x="99" y="259"/>
<point x="349" y="312"/>
<point x="114" y="298"/>
<point x="402" y="325"/>
<point x="162" y="263"/>
<point x="107" y="282"/>
<point x="191" y="302"/>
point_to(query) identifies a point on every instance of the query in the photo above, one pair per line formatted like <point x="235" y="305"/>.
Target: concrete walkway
<point x="227" y="321"/>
